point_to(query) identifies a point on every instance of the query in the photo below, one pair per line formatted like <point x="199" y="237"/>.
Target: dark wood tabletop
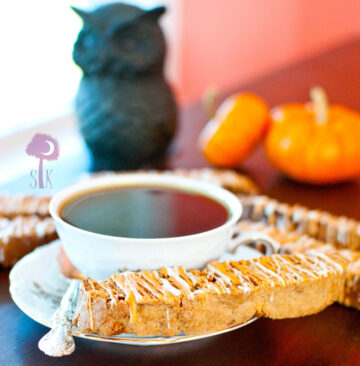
<point x="331" y="337"/>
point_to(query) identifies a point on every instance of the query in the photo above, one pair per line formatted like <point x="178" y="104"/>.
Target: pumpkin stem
<point x="320" y="103"/>
<point x="209" y="101"/>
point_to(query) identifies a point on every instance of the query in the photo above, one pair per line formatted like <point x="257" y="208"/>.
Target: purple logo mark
<point x="43" y="147"/>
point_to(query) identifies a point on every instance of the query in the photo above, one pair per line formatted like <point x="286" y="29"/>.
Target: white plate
<point x="37" y="286"/>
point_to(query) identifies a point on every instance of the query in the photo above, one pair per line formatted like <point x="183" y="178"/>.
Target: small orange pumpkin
<point x="235" y="130"/>
<point x="315" y="143"/>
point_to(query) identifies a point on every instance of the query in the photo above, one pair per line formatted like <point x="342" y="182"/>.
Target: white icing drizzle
<point x="294" y="270"/>
<point x="167" y="318"/>
<point x="169" y="287"/>
<point x="218" y="273"/>
<point x="6" y="230"/>
<point x="174" y="272"/>
<point x="192" y="278"/>
<point x="24" y="205"/>
<point x="211" y="285"/>
<point x="24" y="226"/>
<point x="130" y="286"/>
<point x="151" y="285"/>
<point x="244" y="281"/>
<point x="109" y="291"/>
<point x="267" y="272"/>
<point x="326" y="259"/>
<point x="317" y="267"/>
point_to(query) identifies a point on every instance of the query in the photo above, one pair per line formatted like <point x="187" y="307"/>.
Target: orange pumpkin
<point x="315" y="143"/>
<point x="235" y="130"/>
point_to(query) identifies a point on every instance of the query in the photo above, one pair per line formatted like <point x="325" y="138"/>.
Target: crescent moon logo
<point x="51" y="148"/>
<point x="45" y="148"/>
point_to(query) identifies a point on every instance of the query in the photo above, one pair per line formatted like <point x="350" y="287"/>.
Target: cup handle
<point x="271" y="245"/>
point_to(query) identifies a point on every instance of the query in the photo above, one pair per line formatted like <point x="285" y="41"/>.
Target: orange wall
<point x="227" y="42"/>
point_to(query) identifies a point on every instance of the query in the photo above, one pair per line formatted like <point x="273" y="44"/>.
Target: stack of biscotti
<point x="292" y="242"/>
<point x="24" y="225"/>
<point x="341" y="231"/>
<point x="173" y="300"/>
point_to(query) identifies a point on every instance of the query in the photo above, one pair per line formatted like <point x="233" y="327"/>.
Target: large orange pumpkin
<point x="316" y="142"/>
<point x="235" y="130"/>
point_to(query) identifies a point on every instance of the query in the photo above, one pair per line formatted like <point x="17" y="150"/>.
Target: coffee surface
<point x="144" y="212"/>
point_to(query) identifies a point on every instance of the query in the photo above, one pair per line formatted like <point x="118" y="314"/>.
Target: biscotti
<point x="292" y="242"/>
<point x="173" y="300"/>
<point x="11" y="206"/>
<point x="341" y="231"/>
<point x="22" y="234"/>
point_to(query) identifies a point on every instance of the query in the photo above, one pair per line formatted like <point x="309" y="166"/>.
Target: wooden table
<point x="329" y="338"/>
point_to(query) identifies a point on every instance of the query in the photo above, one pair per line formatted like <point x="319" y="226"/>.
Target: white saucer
<point x="37" y="286"/>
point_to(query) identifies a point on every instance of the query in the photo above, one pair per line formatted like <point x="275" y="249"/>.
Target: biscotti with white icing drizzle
<point x="341" y="231"/>
<point x="292" y="242"/>
<point x="22" y="234"/>
<point x="25" y="224"/>
<point x="173" y="300"/>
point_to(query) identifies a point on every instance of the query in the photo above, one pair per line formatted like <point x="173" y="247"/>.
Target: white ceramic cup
<point x="99" y="256"/>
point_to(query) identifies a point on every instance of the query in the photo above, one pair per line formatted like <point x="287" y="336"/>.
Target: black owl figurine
<point x="125" y="108"/>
